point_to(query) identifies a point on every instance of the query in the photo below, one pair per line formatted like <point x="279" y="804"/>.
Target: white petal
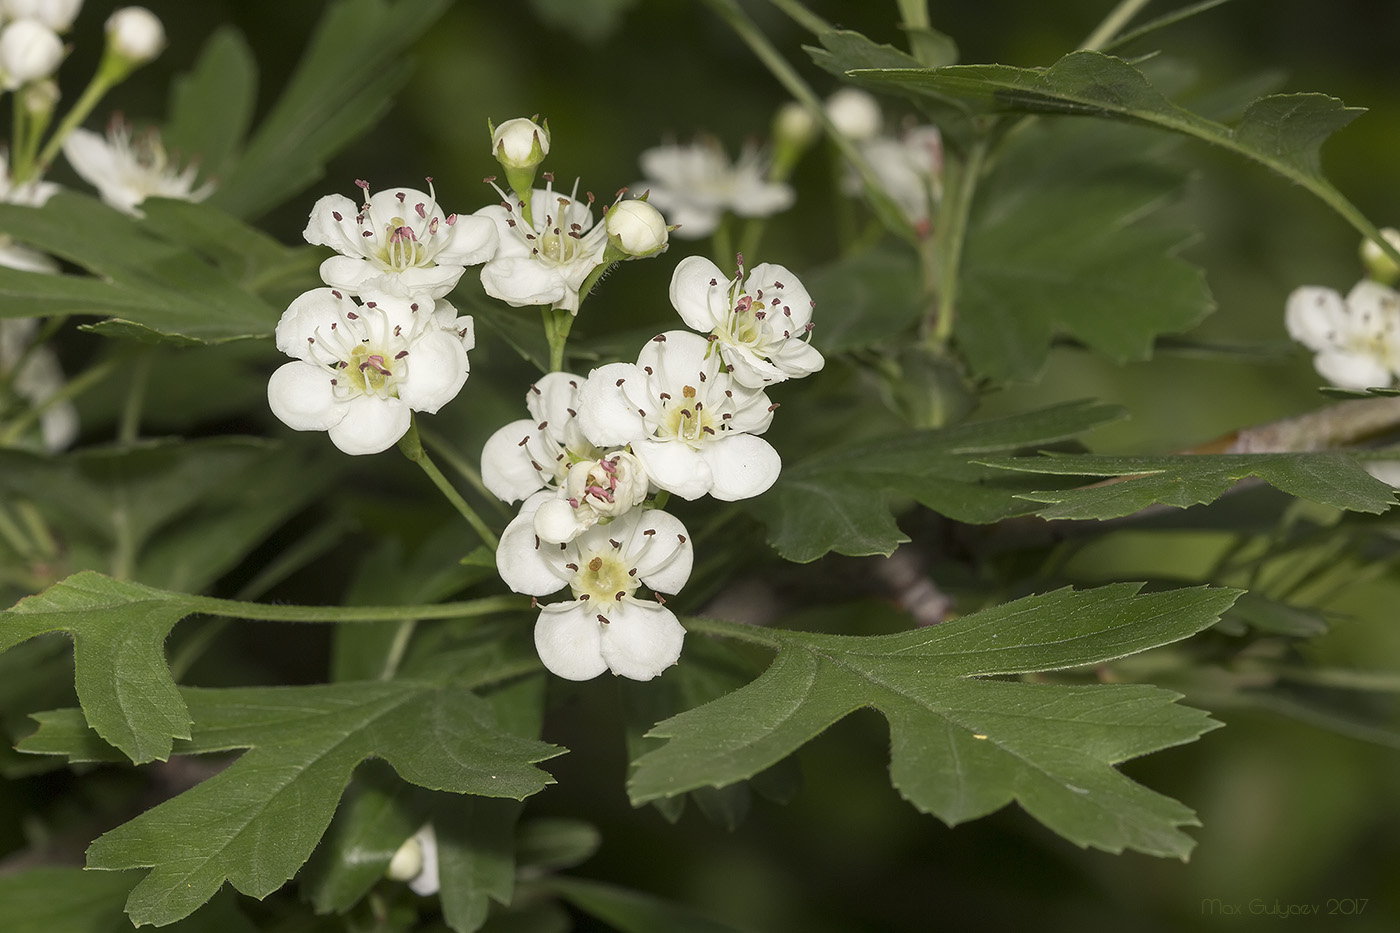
<point x="470" y="239"/>
<point x="433" y="281"/>
<point x="605" y="413"/>
<point x="1313" y="316"/>
<point x="674" y="466"/>
<point x="437" y="370"/>
<point x="348" y="273"/>
<point x="569" y="640"/>
<point x="552" y="396"/>
<point x="371" y="425"/>
<point x="799" y="358"/>
<point x="309" y="311"/>
<point x="742" y="466"/>
<point x="663" y="560"/>
<point x="1351" y="370"/>
<point x="427" y="882"/>
<point x="505" y="463"/>
<point x="526" y="564"/>
<point x="557" y="522"/>
<point x="641" y="639"/>
<point x="678" y="356"/>
<point x="509" y="246"/>
<point x="792" y="297"/>
<point x="749" y="369"/>
<point x="323" y="229"/>
<point x="301" y="395"/>
<point x="692" y="284"/>
<point x="520" y="282"/>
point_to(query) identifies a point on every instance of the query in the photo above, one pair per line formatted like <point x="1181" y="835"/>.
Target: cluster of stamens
<point x="366" y="355"/>
<point x="405" y="239"/>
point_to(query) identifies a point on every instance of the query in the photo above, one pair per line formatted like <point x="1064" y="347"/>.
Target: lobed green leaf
<point x="963" y="746"/>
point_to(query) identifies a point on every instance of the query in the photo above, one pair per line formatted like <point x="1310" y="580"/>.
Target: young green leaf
<point x="257" y="821"/>
<point x="962" y="745"/>
<point x="840" y="500"/>
<point x="1329" y="477"/>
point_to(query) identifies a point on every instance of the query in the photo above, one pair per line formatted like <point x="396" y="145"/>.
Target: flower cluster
<point x="378" y="342"/>
<point x="597" y="454"/>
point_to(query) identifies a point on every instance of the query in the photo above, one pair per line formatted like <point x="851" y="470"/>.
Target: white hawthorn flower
<point x="361" y="370"/>
<point x="35" y="376"/>
<point x="543" y="259"/>
<point x="416" y="861"/>
<point x="605" y="626"/>
<point x="695" y="185"/>
<point x="535" y="453"/>
<point x="909" y="169"/>
<point x="692" y="427"/>
<point x="58" y="15"/>
<point x="29" y="51"/>
<point x="127" y="171"/>
<point x="593" y="491"/>
<point x="759" y="326"/>
<point x="135" y="34"/>
<point x="1356" y="340"/>
<point x="398" y="241"/>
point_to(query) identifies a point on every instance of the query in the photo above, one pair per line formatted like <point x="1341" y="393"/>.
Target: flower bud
<point x="39" y="98"/>
<point x="135" y="34"/>
<point x="520" y="145"/>
<point x="793" y="125"/>
<point x="1379" y="265"/>
<point x="29" y="51"/>
<point x="855" y="114"/>
<point x="407" y="862"/>
<point x="636" y="229"/>
<point x="58" y="15"/>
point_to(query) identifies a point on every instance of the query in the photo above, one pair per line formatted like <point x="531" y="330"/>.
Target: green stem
<point x="563" y="323"/>
<point x="129" y="427"/>
<point x="462" y="467"/>
<point x="412" y="448"/>
<point x="802" y="16"/>
<point x="73" y="387"/>
<point x="104" y="80"/>
<point x="913" y="14"/>
<point x="1113" y="23"/>
<point x="270" y="612"/>
<point x="748" y="31"/>
<point x="402" y="636"/>
<point x="953" y="221"/>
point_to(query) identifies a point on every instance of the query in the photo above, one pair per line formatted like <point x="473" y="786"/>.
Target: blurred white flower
<point x="30" y="194"/>
<point x="398" y="241"/>
<point x="695" y="185"/>
<point x="362" y="369"/>
<point x="135" y="34"/>
<point x="127" y="171"/>
<point x="543" y="259"/>
<point x="1356" y="340"/>
<point x="760" y="326"/>
<point x="416" y="862"/>
<point x="605" y="626"/>
<point x="909" y="169"/>
<point x="34" y="375"/>
<point x="692" y="427"/>
<point x="58" y="15"/>
<point x="29" y="51"/>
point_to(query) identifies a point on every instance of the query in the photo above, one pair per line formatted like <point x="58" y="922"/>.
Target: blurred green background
<point x="1293" y="815"/>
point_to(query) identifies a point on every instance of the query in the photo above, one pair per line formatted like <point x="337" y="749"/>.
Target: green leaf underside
<point x="962" y="747"/>
<point x="1331" y="478"/>
<point x="155" y="285"/>
<point x="840" y="500"/>
<point x="257" y="821"/>
<point x="71" y="900"/>
<point x="119" y="630"/>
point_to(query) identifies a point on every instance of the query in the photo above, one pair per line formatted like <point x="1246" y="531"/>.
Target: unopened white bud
<point x="520" y="143"/>
<point x="1379" y="265"/>
<point x="407" y="862"/>
<point x="39" y="97"/>
<point x="58" y="15"/>
<point x="794" y="125"/>
<point x="29" y="51"/>
<point x="637" y="229"/>
<point x="855" y="114"/>
<point x="135" y="33"/>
